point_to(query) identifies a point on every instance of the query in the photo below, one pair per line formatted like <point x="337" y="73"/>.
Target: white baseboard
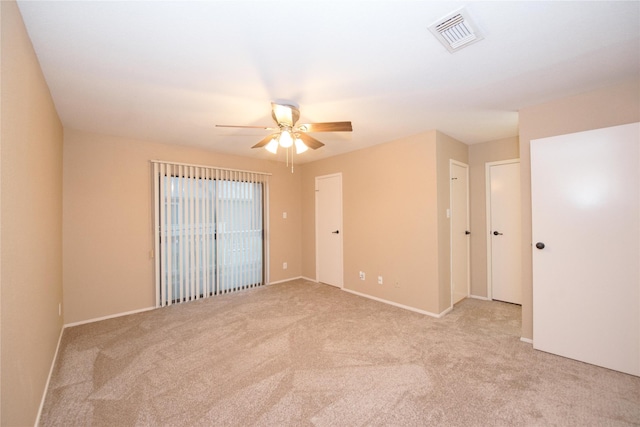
<point x="294" y="278"/>
<point x="445" y="312"/>
<point x="395" y="304"/>
<point x="97" y="319"/>
<point x="285" y="280"/>
<point x="479" y="297"/>
<point x="527" y="340"/>
<point x="46" y="386"/>
<point x="55" y="355"/>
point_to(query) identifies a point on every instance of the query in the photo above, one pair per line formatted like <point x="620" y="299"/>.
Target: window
<point x="210" y="231"/>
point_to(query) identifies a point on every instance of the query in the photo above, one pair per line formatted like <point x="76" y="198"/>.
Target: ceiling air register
<point x="456" y="30"/>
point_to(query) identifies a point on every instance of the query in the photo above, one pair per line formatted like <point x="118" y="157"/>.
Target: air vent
<point x="456" y="30"/>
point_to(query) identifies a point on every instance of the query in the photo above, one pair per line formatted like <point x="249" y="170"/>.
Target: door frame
<point x="450" y="212"/>
<point x="317" y="178"/>
<point x="487" y="169"/>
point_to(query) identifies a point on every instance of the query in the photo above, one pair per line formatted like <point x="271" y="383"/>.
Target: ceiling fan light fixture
<point x="285" y="139"/>
<point x="272" y="146"/>
<point x="300" y="146"/>
<point x="288" y="133"/>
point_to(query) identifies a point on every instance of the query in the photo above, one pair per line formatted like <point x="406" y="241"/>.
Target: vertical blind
<point x="211" y="231"/>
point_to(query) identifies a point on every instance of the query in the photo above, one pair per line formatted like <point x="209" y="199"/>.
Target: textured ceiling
<point x="171" y="71"/>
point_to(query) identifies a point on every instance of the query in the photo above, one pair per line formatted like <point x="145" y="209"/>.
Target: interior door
<point x="504" y="240"/>
<point x="329" y="264"/>
<point x="585" y="190"/>
<point x="459" y="193"/>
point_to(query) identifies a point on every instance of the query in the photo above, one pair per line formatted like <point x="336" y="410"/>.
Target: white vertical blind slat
<point x="199" y="233"/>
<point x="185" y="230"/>
<point x="230" y="234"/>
<point x="254" y="225"/>
<point x="228" y="211"/>
<point x="178" y="182"/>
<point x="265" y="232"/>
<point x="156" y="228"/>
<point x="233" y="207"/>
<point x="257" y="226"/>
<point x="191" y="231"/>
<point x="169" y="245"/>
<point x="217" y="230"/>
<point x="206" y="234"/>
<point x="163" y="219"/>
<point x="245" y="234"/>
<point x="221" y="230"/>
<point x="254" y="228"/>
<point x="251" y="235"/>
<point x="185" y="225"/>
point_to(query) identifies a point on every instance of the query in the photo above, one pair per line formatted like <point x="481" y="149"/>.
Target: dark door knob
<point x="540" y="245"/>
<point x="497" y="233"/>
<point x="467" y="232"/>
<point x="336" y="232"/>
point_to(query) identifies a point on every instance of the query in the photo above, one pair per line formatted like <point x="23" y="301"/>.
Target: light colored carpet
<point x="301" y="353"/>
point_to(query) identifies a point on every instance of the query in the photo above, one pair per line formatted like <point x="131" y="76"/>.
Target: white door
<point x="585" y="190"/>
<point x="459" y="193"/>
<point x="329" y="230"/>
<point x="504" y="240"/>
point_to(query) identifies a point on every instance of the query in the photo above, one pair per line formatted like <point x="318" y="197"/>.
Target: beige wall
<point x="447" y="149"/>
<point x="108" y="220"/>
<point x="390" y="218"/>
<point x="610" y="106"/>
<point x="479" y="156"/>
<point x="31" y="223"/>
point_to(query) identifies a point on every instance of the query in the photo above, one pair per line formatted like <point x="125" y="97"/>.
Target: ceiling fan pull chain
<point x="291" y="148"/>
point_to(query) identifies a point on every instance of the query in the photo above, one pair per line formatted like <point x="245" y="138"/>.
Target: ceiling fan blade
<point x="265" y="141"/>
<point x="327" y="127"/>
<point x="247" y="127"/>
<point x="284" y="114"/>
<point x="309" y="141"/>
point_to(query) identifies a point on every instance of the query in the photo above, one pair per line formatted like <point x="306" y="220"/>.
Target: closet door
<point x="459" y="193"/>
<point x="329" y="232"/>
<point x="585" y="191"/>
<point x="504" y="241"/>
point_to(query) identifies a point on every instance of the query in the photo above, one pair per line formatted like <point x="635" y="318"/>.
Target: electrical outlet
<point x="59" y="309"/>
<point x="284" y="265"/>
<point x="379" y="280"/>
<point x="362" y="275"/>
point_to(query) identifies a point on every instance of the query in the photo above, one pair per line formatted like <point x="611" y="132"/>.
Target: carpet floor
<point x="302" y="354"/>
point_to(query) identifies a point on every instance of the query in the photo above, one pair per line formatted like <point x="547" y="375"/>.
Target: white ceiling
<point x="170" y="71"/>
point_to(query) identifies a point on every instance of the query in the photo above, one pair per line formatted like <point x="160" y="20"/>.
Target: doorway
<point x="504" y="263"/>
<point x="459" y="234"/>
<point x="329" y="263"/>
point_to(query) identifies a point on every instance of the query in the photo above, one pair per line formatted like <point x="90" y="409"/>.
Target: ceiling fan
<point x="289" y="133"/>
